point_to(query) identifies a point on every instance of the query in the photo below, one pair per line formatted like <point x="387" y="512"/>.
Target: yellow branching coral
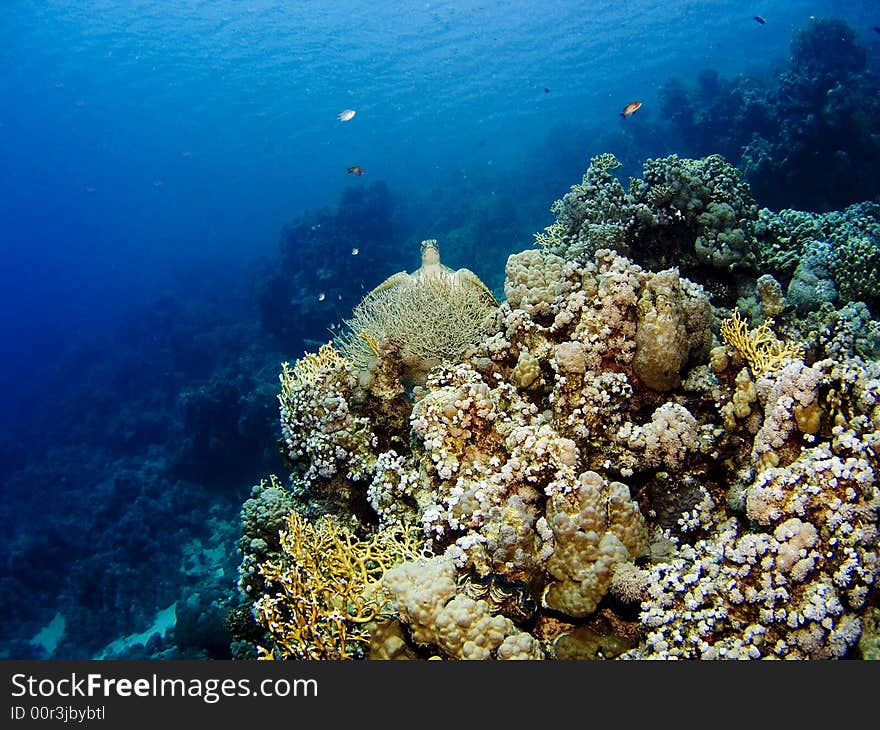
<point x="551" y="237"/>
<point x="760" y="348"/>
<point x="305" y="370"/>
<point x="325" y="589"/>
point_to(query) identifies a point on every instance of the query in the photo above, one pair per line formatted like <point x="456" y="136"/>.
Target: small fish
<point x="356" y="170"/>
<point x="346" y="115"/>
<point x="631" y="108"/>
<point x="759" y="19"/>
<point x="355" y="251"/>
<point x="322" y="297"/>
<point x="877" y="28"/>
<point x="546" y="89"/>
<point x="158" y="184"/>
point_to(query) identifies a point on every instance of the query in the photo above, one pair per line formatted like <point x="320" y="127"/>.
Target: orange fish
<point x="631" y="108"/>
<point x="356" y="170"/>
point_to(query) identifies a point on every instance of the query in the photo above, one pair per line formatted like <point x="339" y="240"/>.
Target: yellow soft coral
<point x="759" y="347"/>
<point x="325" y="589"/>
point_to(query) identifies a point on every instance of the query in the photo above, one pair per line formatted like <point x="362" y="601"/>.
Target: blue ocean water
<point x="153" y="152"/>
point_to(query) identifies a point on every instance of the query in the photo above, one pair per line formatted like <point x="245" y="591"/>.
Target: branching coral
<point x="857" y="267"/>
<point x="306" y="370"/>
<point x="325" y="589"/>
<point x="836" y="254"/>
<point x="760" y="348"/>
<point x="552" y="236"/>
<point x="591" y="216"/>
<point x="790" y="592"/>
<point x="703" y="199"/>
<point x="322" y="435"/>
<point x="687" y="213"/>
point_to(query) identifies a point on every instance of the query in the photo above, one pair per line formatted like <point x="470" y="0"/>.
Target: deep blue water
<point x="230" y="108"/>
<point x="151" y="152"/>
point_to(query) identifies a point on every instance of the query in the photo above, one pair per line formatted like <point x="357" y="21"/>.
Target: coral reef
<point x="789" y="590"/>
<point x="699" y="216"/>
<point x="694" y="214"/>
<point x="805" y="137"/>
<point x="615" y="466"/>
<point x="837" y="254"/>
<point x="317" y="600"/>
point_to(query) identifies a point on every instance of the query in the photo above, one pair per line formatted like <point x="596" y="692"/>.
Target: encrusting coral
<point x="609" y="452"/>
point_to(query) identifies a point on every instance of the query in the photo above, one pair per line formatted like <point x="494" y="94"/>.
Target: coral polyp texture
<point x="615" y="461"/>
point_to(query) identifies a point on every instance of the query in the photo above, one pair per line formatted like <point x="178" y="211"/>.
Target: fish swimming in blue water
<point x="759" y="19"/>
<point x="631" y="108"/>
